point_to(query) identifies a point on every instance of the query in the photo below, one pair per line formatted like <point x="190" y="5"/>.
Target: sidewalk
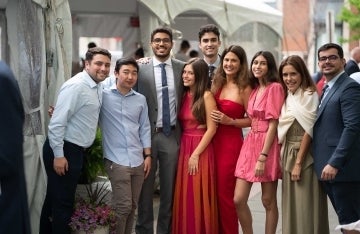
<point x="258" y="212"/>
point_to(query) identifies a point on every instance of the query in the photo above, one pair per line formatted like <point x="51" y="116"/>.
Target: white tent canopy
<point x="228" y="14"/>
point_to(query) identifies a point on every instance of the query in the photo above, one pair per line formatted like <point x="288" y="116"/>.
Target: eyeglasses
<point x="159" y="40"/>
<point x="332" y="58"/>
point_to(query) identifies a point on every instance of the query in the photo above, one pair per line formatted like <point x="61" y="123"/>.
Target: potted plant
<point x="93" y="164"/>
<point x="92" y="215"/>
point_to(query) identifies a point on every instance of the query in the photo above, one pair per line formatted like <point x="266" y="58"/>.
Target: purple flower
<point x="88" y="216"/>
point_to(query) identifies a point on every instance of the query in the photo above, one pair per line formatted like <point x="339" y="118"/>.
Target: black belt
<point x="75" y="145"/>
<point x="160" y="129"/>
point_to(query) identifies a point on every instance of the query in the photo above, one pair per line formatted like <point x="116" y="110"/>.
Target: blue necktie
<point x="323" y="92"/>
<point x="165" y="102"/>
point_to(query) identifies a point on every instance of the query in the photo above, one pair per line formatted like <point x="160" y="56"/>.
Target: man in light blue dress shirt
<point x="72" y="128"/>
<point x="126" y="136"/>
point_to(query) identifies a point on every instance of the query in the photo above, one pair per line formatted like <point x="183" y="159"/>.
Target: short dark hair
<point x="96" y="50"/>
<point x="91" y="45"/>
<point x="139" y="52"/>
<point x="209" y="28"/>
<point x="330" y="46"/>
<point x="185" y="44"/>
<point x="193" y="54"/>
<point x="125" y="61"/>
<point x="166" y="30"/>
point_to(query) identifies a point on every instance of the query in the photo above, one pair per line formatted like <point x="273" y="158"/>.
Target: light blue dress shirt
<point x="125" y="127"/>
<point x="76" y="113"/>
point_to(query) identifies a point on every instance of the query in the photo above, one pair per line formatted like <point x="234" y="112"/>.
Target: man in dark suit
<point x="209" y="44"/>
<point x="14" y="217"/>
<point x="164" y="145"/>
<point x="352" y="64"/>
<point x="336" y="141"/>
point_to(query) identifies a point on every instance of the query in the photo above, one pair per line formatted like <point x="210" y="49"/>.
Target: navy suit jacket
<point x="336" y="137"/>
<point x="351" y="67"/>
<point x="14" y="217"/>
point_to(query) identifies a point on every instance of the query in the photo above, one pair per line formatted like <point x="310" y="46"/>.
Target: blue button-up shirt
<point x="125" y="127"/>
<point x="76" y="113"/>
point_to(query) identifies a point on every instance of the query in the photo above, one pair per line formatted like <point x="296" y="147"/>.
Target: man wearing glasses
<point x="336" y="140"/>
<point x="160" y="82"/>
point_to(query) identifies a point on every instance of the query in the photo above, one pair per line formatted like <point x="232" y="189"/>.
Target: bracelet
<point x="263" y="154"/>
<point x="261" y="160"/>
<point x="147" y="155"/>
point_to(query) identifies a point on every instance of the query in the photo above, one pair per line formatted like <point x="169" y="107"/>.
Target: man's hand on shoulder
<point x="145" y="60"/>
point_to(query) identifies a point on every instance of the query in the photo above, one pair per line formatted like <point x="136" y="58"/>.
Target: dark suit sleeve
<point x="11" y="123"/>
<point x="350" y="110"/>
<point x="351" y="67"/>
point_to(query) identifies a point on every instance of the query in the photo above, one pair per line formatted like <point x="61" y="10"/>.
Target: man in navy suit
<point x="14" y="217"/>
<point x="336" y="141"/>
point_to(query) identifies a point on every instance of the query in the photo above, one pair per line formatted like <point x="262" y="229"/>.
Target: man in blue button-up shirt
<point x="126" y="136"/>
<point x="71" y="129"/>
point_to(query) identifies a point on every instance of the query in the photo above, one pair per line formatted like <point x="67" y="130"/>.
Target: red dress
<point x="227" y="144"/>
<point x="195" y="205"/>
<point x="261" y="110"/>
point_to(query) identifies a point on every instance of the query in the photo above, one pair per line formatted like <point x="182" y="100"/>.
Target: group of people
<point x="185" y="120"/>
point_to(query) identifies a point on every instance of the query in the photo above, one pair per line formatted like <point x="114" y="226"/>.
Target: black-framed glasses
<point x="331" y="58"/>
<point x="163" y="40"/>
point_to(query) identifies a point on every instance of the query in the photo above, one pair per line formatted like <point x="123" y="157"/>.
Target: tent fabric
<point x="40" y="57"/>
<point x="105" y="25"/>
<point x="230" y="14"/>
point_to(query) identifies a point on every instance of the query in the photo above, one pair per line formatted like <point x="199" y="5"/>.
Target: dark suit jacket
<point x="336" y="139"/>
<point x="146" y="86"/>
<point x="14" y="216"/>
<point x="351" y="67"/>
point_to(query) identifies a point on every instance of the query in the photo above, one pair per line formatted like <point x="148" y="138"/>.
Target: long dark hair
<point x="200" y="69"/>
<point x="242" y="77"/>
<point x="272" y="74"/>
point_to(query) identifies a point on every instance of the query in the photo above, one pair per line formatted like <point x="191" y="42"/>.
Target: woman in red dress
<point x="195" y="205"/>
<point x="231" y="88"/>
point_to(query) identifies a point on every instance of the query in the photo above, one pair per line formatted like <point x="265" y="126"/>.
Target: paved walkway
<point x="258" y="212"/>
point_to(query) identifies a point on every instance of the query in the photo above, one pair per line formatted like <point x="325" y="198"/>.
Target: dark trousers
<point x="60" y="194"/>
<point x="345" y="198"/>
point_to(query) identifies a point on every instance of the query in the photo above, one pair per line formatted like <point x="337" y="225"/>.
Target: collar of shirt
<point x="157" y="62"/>
<point x="113" y="88"/>
<point x="89" y="80"/>
<point x="332" y="81"/>
<point x="217" y="62"/>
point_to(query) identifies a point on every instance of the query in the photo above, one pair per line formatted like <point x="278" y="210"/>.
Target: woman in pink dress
<point x="195" y="205"/>
<point x="259" y="159"/>
<point x="231" y="87"/>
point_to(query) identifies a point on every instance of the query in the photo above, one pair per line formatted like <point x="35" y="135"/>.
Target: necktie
<point x="211" y="74"/>
<point x="165" y="102"/>
<point x="323" y="92"/>
<point x="211" y="71"/>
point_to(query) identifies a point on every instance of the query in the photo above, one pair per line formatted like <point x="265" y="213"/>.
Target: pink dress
<point x="261" y="110"/>
<point x="227" y="144"/>
<point x="195" y="205"/>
